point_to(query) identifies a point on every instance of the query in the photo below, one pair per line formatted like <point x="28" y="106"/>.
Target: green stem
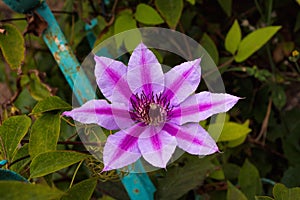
<point x="76" y="170"/>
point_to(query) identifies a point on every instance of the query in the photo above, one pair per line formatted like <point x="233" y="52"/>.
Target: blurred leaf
<point x="254" y="41"/>
<point x="25" y="102"/>
<point x="124" y="22"/>
<point x="233" y="193"/>
<point x="12" y="46"/>
<point x="280" y="192"/>
<point x="44" y="134"/>
<point x="263" y="198"/>
<point x="49" y="104"/>
<point x="226" y="6"/>
<point x="81" y="191"/>
<point x="192" y="2"/>
<point x="297" y="23"/>
<point x="218" y="174"/>
<point x="249" y="180"/>
<point x="236" y="142"/>
<point x="291" y="177"/>
<point x="15" y="190"/>
<point x="231" y="171"/>
<point x="231" y="131"/>
<point x="51" y="161"/>
<point x="37" y="88"/>
<point x="233" y="37"/>
<point x="12" y="132"/>
<point x="180" y="180"/>
<point x="171" y="10"/>
<point x="278" y="96"/>
<point x="209" y="45"/>
<point x="147" y="15"/>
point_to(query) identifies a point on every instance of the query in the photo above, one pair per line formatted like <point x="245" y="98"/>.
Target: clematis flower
<point x="154" y="112"/>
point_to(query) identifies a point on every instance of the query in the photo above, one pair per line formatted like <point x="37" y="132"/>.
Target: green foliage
<point x="170" y="10"/>
<point x="280" y="192"/>
<point x="254" y="41"/>
<point x="249" y="180"/>
<point x="12" y="45"/>
<point x="209" y="45"/>
<point x="15" y="190"/>
<point x="262" y="67"/>
<point x="44" y="134"/>
<point x="233" y="38"/>
<point x="12" y="132"/>
<point x="81" y="191"/>
<point x="147" y="15"/>
<point x="226" y="6"/>
<point x="51" y="161"/>
<point x="51" y="103"/>
<point x="234" y="193"/>
<point x="231" y="131"/>
<point x="124" y="22"/>
<point x="181" y="179"/>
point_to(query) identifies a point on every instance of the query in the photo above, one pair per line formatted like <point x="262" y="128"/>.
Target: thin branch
<point x="265" y="124"/>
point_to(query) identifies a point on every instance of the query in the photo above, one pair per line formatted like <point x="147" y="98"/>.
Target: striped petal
<point x="111" y="79"/>
<point x="201" y="106"/>
<point x="192" y="138"/>
<point x="121" y="149"/>
<point x="109" y="116"/>
<point x="158" y="148"/>
<point x="144" y="71"/>
<point x="182" y="81"/>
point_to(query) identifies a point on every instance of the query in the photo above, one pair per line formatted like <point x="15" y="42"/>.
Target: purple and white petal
<point x="192" y="138"/>
<point x="158" y="148"/>
<point x="201" y="106"/>
<point x="182" y="81"/>
<point x="111" y="79"/>
<point x="121" y="149"/>
<point x="144" y="72"/>
<point x="100" y="112"/>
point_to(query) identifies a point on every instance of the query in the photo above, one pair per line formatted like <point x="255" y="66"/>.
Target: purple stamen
<point x="150" y="109"/>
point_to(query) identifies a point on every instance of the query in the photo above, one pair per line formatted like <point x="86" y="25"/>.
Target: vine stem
<point x="74" y="175"/>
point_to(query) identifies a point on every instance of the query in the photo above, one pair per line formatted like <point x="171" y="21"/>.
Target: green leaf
<point x="44" y="134"/>
<point x="209" y="45"/>
<point x="15" y="190"/>
<point x="291" y="177"/>
<point x="180" y="180"/>
<point x="234" y="193"/>
<point x="37" y="88"/>
<point x="12" y="46"/>
<point x="124" y="22"/>
<point x="192" y="2"/>
<point x="231" y="131"/>
<point x="249" y="180"/>
<point x="254" y="41"/>
<point x="12" y="132"/>
<point x="218" y="174"/>
<point x="278" y="96"/>
<point x="280" y="192"/>
<point x="21" y="153"/>
<point x="233" y="38"/>
<point x="263" y="198"/>
<point x="81" y="191"/>
<point x="147" y="15"/>
<point x="171" y="10"/>
<point x="50" y="104"/>
<point x="51" y="161"/>
<point x="236" y="142"/>
<point x="226" y="5"/>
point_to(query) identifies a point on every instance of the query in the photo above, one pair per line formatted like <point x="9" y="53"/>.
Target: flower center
<point x="150" y="109"/>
